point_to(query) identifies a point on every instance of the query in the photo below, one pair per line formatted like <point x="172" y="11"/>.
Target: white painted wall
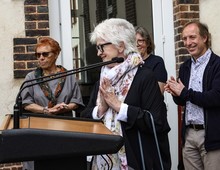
<point x="11" y="26"/>
<point x="163" y="30"/>
<point x="60" y="29"/>
<point x="210" y="14"/>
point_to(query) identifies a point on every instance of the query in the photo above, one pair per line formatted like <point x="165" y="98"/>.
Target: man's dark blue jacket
<point x="209" y="99"/>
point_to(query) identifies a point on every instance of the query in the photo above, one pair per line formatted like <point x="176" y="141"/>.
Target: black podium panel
<point x="56" y="143"/>
<point x="32" y="144"/>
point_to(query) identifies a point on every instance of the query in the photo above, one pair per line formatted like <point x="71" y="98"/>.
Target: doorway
<point x="73" y="20"/>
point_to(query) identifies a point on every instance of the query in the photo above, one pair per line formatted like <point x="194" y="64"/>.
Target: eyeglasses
<point x="100" y="46"/>
<point x="140" y="42"/>
<point x="44" y="54"/>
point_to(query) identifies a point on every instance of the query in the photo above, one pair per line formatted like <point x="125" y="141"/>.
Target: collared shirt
<point x="194" y="113"/>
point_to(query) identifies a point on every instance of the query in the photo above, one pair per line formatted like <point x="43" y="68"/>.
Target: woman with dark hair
<point x="146" y="47"/>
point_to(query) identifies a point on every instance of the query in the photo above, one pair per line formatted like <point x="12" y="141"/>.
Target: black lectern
<point x="55" y="143"/>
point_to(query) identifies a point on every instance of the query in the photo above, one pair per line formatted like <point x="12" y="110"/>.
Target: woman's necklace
<point x="51" y="74"/>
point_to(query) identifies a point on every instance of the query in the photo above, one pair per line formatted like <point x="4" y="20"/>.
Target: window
<point x="109" y="8"/>
<point x="73" y="11"/>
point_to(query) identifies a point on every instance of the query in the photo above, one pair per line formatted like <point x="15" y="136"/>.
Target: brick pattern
<point x="11" y="166"/>
<point x="24" y="59"/>
<point x="36" y="24"/>
<point x="184" y="11"/>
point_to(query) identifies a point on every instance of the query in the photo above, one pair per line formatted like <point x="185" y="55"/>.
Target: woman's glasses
<point x="140" y="42"/>
<point x="44" y="54"/>
<point x="101" y="46"/>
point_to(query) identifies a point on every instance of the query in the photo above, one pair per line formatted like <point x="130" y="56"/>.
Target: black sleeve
<point x="157" y="65"/>
<point x="160" y="71"/>
<point x="87" y="112"/>
<point x="145" y="95"/>
<point x="177" y="99"/>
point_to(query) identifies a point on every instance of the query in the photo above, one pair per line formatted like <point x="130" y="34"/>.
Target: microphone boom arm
<point x="114" y="60"/>
<point x="18" y="101"/>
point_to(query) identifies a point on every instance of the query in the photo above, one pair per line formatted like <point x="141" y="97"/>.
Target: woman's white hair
<point x="116" y="31"/>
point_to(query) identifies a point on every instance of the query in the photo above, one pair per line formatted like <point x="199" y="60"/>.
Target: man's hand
<point x="174" y="87"/>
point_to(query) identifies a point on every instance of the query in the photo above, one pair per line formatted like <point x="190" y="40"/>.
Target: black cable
<point x="110" y="161"/>
<point x="109" y="168"/>
<point x="156" y="140"/>
<point x="90" y="166"/>
<point x="105" y="161"/>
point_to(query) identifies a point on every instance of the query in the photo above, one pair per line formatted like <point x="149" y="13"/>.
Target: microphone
<point x="18" y="101"/>
<point x="118" y="59"/>
<point x="77" y="70"/>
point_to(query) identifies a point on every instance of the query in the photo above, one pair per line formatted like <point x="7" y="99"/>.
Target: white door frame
<point x="60" y="29"/>
<point x="163" y="30"/>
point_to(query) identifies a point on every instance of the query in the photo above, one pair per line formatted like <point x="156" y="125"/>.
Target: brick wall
<point x="36" y="24"/>
<point x="184" y="11"/>
<point x="11" y="166"/>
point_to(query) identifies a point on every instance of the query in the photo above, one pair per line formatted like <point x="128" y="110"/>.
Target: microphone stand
<point x="18" y="101"/>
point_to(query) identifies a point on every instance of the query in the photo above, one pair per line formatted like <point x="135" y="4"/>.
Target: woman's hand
<point x="108" y="94"/>
<point x="103" y="106"/>
<point x="58" y="108"/>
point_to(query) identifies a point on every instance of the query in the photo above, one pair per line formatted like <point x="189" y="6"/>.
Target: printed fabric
<point x="46" y="88"/>
<point x="121" y="77"/>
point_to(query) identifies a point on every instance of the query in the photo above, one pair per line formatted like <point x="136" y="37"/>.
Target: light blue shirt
<point x="194" y="113"/>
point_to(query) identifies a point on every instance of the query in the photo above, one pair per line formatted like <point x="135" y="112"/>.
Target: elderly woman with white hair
<point x="121" y="97"/>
